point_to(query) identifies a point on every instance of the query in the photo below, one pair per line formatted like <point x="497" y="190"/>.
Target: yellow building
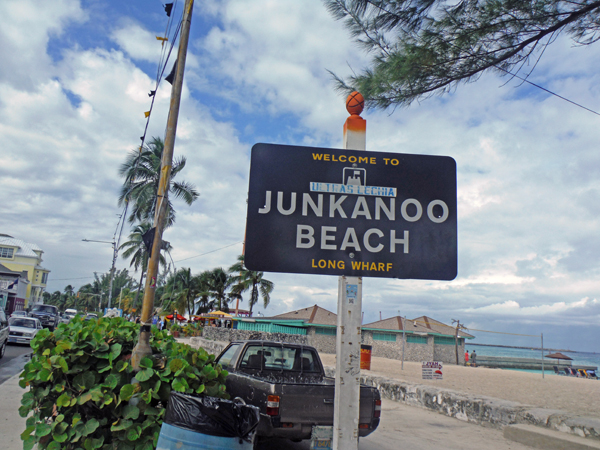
<point x="22" y="256"/>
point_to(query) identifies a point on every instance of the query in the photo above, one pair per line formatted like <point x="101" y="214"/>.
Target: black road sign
<point x="354" y="213"/>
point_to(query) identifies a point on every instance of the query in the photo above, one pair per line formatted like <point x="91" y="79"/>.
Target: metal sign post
<point x="349" y="317"/>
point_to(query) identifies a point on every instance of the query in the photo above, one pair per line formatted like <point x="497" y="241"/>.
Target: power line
<point x="212" y="251"/>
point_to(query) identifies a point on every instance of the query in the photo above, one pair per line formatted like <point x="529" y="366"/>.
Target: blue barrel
<point x="177" y="438"/>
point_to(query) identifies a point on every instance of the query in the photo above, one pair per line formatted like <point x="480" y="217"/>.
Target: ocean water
<point x="579" y="358"/>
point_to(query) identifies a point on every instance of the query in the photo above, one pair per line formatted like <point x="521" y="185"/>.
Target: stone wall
<point x="322" y="342"/>
<point x="230" y="334"/>
<point x="447" y="353"/>
<point x="393" y="350"/>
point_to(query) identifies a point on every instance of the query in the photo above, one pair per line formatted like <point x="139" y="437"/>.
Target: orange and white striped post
<point x="349" y="315"/>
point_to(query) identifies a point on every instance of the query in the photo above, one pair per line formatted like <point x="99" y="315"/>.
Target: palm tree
<point x="141" y="171"/>
<point x="217" y="284"/>
<point x="248" y="279"/>
<point x="90" y="295"/>
<point x="137" y="251"/>
<point x="183" y="290"/>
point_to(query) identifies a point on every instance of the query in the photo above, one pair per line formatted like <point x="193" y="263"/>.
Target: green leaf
<point x="60" y="437"/>
<point x="127" y="392"/>
<point x="63" y="400"/>
<point x="43" y="375"/>
<point x="120" y="425"/>
<point x="115" y="351"/>
<point x="84" y="398"/>
<point x="91" y="426"/>
<point x="55" y="445"/>
<point x="146" y="363"/>
<point x="29" y="443"/>
<point x="120" y="366"/>
<point x="59" y="428"/>
<point x="25" y="434"/>
<point x="200" y="389"/>
<point x="176" y="365"/>
<point x="151" y="411"/>
<point x="28" y="399"/>
<point x="179" y="385"/>
<point x="144" y="375"/>
<point x="24" y="411"/>
<point x="131" y="412"/>
<point x="84" y="381"/>
<point x="42" y="429"/>
<point x="134" y="433"/>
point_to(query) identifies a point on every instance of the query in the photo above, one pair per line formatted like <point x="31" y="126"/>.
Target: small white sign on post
<point x="321" y="438"/>
<point x="432" y="370"/>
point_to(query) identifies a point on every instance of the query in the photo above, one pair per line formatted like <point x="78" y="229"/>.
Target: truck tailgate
<point x="302" y="403"/>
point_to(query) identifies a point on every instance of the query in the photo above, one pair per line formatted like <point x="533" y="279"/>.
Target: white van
<point x="68" y="315"/>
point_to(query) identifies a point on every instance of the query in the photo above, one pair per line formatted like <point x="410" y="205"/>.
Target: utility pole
<point x="112" y="273"/>
<point x="112" y="268"/>
<point x="142" y="349"/>
<point x="458" y="327"/>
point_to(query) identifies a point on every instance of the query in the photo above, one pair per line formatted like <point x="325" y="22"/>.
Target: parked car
<point x="23" y="329"/>
<point x="288" y="383"/>
<point x="3" y="332"/>
<point x="47" y="314"/>
<point x="90" y="316"/>
<point x="68" y="315"/>
<point x="19" y="313"/>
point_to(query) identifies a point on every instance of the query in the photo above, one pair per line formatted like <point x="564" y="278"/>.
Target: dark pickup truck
<point x="287" y="382"/>
<point x="48" y="315"/>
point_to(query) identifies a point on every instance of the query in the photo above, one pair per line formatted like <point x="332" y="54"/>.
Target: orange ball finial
<point x="355" y="103"/>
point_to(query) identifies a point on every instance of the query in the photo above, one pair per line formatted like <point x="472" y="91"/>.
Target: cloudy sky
<point x="74" y="83"/>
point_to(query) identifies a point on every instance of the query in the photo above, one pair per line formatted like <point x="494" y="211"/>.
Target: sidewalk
<point x="11" y="424"/>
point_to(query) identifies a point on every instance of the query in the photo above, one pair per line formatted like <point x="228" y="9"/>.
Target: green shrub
<point x="82" y="392"/>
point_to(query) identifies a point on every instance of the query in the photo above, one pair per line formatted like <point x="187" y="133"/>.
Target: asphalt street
<point x="409" y="427"/>
<point x="13" y="361"/>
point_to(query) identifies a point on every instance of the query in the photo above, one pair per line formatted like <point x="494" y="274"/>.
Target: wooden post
<point x="142" y="349"/>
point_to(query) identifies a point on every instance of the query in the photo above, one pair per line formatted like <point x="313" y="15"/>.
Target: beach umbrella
<point x="179" y="317"/>
<point x="558" y="356"/>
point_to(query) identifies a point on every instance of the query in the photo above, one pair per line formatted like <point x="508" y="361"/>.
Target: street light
<point x="112" y="269"/>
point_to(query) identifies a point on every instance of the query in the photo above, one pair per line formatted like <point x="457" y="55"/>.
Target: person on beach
<point x="466" y="357"/>
<point x="473" y="359"/>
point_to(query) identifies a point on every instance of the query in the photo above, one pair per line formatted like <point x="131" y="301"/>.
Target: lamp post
<point x="112" y="269"/>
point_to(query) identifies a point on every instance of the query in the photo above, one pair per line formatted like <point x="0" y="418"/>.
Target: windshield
<point x="279" y="358"/>
<point x="44" y="308"/>
<point x="22" y="322"/>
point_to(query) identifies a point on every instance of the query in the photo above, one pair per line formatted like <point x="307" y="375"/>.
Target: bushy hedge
<point x="83" y="393"/>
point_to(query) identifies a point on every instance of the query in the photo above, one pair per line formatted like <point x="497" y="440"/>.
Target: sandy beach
<point x="575" y="395"/>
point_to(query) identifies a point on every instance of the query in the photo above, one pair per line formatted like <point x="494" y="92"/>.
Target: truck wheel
<point x="3" y="349"/>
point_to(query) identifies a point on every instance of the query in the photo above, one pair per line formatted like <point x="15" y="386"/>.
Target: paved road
<point x="13" y="361"/>
<point x="408" y="427"/>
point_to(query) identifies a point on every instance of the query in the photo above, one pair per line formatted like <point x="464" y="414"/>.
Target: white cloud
<point x="138" y="42"/>
<point x="511" y="307"/>
<point x="72" y="107"/>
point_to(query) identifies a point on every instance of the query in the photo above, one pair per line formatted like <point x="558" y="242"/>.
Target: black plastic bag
<point x="212" y="416"/>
